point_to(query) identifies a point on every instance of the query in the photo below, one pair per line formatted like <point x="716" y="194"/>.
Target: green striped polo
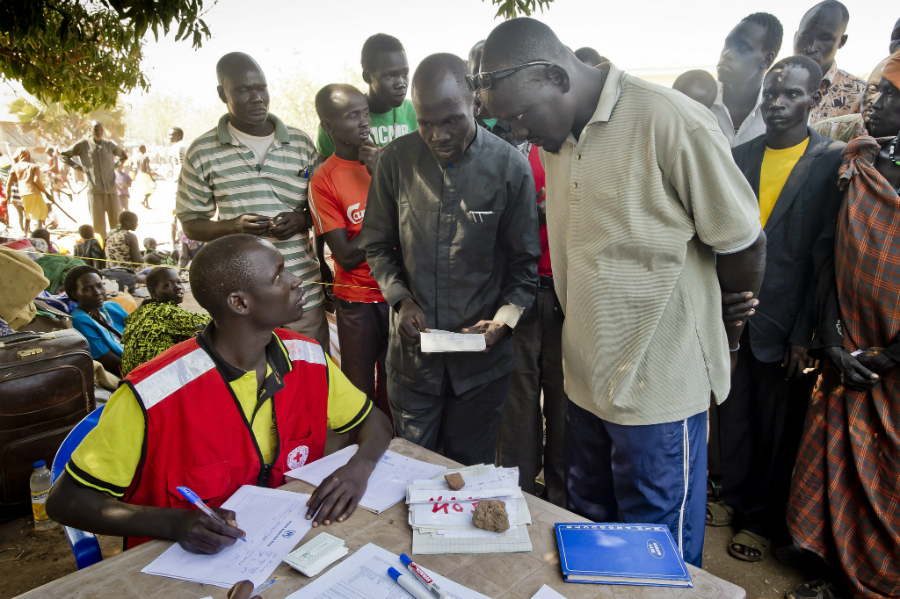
<point x="221" y="173"/>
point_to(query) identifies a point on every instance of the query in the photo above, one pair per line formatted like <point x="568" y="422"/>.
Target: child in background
<point x="88" y="248"/>
<point x="123" y="183"/>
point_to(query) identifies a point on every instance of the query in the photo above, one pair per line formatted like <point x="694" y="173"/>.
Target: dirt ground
<point x="29" y="559"/>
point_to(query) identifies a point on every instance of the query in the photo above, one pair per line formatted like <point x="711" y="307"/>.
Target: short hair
<point x="86" y="231"/>
<point x="807" y="64"/>
<point x="435" y="67"/>
<point x="41" y="234"/>
<point x="222" y="267"/>
<point x="71" y="282"/>
<point x="380" y="42"/>
<point x="232" y="60"/>
<point x="324" y="103"/>
<point x="697" y="77"/>
<point x="178" y="130"/>
<point x="156" y="276"/>
<point x="774" y="30"/>
<point x="126" y="216"/>
<point x="588" y="56"/>
<point x="518" y="41"/>
<point x="833" y="4"/>
<point x="142" y="148"/>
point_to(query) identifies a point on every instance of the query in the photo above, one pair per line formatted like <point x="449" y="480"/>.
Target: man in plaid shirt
<point x="846" y="492"/>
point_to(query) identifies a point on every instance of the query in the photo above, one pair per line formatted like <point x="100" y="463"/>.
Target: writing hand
<point x="288" y="224"/>
<point x="339" y="494"/>
<point x="853" y="374"/>
<point x="198" y="533"/>
<point x="493" y="331"/>
<point x="368" y="155"/>
<point x="242" y="590"/>
<point x="251" y="224"/>
<point x="412" y="321"/>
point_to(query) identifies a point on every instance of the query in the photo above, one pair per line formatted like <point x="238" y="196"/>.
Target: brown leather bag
<point x="46" y="388"/>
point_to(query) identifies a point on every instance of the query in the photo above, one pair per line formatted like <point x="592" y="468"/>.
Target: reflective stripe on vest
<point x="174" y="376"/>
<point x="304" y="350"/>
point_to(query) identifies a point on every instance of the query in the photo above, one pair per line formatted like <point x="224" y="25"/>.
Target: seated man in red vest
<point x="240" y="404"/>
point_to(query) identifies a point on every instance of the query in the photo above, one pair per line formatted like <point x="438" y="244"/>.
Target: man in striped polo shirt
<point x="254" y="170"/>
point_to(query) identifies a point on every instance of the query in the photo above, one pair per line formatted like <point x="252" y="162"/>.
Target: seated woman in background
<point x="158" y="323"/>
<point x="89" y="249"/>
<point x="99" y="321"/>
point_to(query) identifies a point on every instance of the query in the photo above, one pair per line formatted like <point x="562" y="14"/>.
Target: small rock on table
<point x="490" y="514"/>
<point x="455" y="481"/>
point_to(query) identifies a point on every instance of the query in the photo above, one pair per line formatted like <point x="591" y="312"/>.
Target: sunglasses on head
<point x="486" y="80"/>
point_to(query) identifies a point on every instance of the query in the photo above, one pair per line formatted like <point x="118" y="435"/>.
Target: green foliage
<point x="83" y="53"/>
<point x="63" y="127"/>
<point x="509" y="9"/>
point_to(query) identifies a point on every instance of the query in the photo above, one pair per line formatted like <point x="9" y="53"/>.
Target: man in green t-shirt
<point x="386" y="70"/>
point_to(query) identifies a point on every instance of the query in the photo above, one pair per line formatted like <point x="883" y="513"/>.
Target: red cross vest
<point x="196" y="433"/>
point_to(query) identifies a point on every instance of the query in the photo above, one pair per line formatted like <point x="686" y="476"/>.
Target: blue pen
<point x="192" y="497"/>
<point x="263" y="586"/>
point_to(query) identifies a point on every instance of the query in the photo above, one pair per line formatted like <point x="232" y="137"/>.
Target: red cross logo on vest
<point x="297" y="457"/>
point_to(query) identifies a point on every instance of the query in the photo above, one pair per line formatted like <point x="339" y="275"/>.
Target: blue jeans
<point x="653" y="474"/>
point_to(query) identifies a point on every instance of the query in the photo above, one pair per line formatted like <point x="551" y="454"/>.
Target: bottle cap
<point x="40" y="464"/>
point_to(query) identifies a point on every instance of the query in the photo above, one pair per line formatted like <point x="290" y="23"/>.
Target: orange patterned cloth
<point x="845" y="500"/>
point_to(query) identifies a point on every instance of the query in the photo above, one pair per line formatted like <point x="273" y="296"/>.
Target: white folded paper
<point x="445" y="341"/>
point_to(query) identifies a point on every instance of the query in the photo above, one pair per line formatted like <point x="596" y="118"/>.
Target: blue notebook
<point x="636" y="554"/>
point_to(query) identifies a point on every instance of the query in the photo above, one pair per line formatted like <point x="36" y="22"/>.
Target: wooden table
<point x="499" y="575"/>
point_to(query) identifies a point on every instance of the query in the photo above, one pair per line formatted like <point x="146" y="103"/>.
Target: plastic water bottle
<point x="40" y="488"/>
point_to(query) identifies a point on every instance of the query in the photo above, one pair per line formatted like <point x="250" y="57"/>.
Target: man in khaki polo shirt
<point x="649" y="221"/>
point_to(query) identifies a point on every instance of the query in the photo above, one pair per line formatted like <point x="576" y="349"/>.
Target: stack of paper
<point x="318" y="554"/>
<point x="442" y="519"/>
<point x="387" y="484"/>
<point x="274" y="521"/>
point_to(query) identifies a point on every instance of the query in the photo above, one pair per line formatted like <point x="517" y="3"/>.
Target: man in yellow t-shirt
<point x="241" y="404"/>
<point x="794" y="172"/>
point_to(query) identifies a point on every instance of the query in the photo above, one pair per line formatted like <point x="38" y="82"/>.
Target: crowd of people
<point x="687" y="296"/>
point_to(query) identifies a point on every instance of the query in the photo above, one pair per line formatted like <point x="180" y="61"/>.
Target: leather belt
<point x="545" y="281"/>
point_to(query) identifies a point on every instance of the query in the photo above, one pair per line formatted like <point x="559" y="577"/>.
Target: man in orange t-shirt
<point x="337" y="199"/>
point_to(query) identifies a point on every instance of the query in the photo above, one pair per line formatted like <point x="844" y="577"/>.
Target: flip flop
<point x="745" y="538"/>
<point x="719" y="514"/>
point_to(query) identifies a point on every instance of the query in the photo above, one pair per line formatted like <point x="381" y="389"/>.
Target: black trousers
<point x="759" y="434"/>
<point x="537" y="342"/>
<point x="363" y="336"/>
<point x="464" y="424"/>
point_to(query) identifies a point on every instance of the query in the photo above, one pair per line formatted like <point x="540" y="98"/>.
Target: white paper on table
<point x="547" y="593"/>
<point x="364" y="575"/>
<point x="478" y="533"/>
<point x="387" y="484"/>
<point x="274" y="521"/>
<point x="477" y="488"/>
<point x="445" y="341"/>
<point x="443" y="513"/>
